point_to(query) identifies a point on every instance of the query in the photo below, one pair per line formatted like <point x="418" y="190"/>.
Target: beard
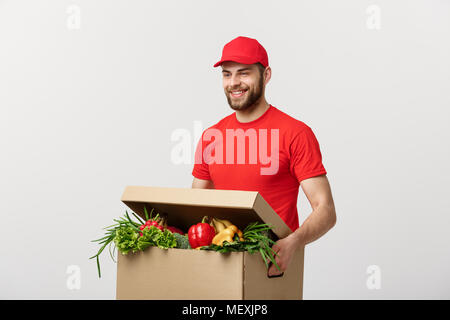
<point x="251" y="96"/>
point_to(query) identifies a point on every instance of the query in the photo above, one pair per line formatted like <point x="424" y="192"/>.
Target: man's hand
<point x="285" y="249"/>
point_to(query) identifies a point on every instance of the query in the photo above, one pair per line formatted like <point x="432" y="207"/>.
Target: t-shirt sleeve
<point x="201" y="168"/>
<point x="305" y="156"/>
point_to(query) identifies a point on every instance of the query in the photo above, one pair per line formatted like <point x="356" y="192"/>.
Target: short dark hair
<point x="261" y="68"/>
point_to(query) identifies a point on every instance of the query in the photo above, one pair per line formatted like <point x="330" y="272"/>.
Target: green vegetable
<point x="256" y="239"/>
<point x="148" y="238"/>
<point x="182" y="241"/>
<point x="165" y="239"/>
<point x="108" y="239"/>
<point x="125" y="235"/>
<point x="126" y="239"/>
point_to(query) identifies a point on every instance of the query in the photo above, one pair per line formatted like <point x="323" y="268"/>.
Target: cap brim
<point x="243" y="60"/>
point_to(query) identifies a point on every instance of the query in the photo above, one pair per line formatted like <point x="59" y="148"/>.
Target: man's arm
<point x="323" y="216"/>
<point x="202" y="184"/>
<point x="321" y="219"/>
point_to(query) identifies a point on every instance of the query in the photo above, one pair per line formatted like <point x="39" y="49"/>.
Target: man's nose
<point x="235" y="81"/>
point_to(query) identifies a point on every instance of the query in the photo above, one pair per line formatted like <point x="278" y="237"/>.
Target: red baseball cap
<point x="244" y="50"/>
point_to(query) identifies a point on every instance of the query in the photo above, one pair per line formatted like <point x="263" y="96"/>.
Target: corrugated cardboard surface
<point x="158" y="274"/>
<point x="181" y="274"/>
<point x="199" y="274"/>
<point x="257" y="286"/>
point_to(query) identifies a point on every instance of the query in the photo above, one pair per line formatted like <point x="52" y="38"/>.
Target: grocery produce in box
<point x="210" y="233"/>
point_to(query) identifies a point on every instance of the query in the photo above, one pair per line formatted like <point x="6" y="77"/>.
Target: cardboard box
<point x="198" y="274"/>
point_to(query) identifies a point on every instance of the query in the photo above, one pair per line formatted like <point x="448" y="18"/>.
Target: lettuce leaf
<point x="166" y="240"/>
<point x="126" y="239"/>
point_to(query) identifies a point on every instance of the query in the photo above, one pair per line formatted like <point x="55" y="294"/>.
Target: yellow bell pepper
<point x="225" y="235"/>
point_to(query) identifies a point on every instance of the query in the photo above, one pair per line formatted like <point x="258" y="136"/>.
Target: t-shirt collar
<point x="253" y="122"/>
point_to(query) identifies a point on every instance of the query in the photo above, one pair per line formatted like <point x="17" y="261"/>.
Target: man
<point x="295" y="158"/>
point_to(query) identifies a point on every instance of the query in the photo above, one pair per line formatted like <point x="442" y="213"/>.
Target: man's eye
<point x="244" y="73"/>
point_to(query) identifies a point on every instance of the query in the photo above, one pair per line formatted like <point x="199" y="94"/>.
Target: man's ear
<point x="267" y="74"/>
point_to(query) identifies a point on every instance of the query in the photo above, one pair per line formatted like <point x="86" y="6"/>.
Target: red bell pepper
<point x="201" y="234"/>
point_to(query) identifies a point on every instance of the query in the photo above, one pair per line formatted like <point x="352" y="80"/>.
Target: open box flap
<point x="187" y="206"/>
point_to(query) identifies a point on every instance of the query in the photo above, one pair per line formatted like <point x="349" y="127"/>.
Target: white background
<point x="88" y="108"/>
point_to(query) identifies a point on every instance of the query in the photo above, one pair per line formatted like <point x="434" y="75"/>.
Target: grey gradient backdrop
<point x="85" y="112"/>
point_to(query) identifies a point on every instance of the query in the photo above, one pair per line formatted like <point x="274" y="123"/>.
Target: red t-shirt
<point x="271" y="155"/>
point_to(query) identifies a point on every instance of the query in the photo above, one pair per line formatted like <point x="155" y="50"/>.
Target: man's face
<point x="243" y="84"/>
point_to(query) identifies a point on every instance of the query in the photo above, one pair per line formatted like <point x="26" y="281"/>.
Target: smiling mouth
<point x="237" y="93"/>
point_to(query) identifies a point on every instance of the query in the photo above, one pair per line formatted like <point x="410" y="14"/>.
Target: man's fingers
<point x="275" y="247"/>
<point x="273" y="271"/>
